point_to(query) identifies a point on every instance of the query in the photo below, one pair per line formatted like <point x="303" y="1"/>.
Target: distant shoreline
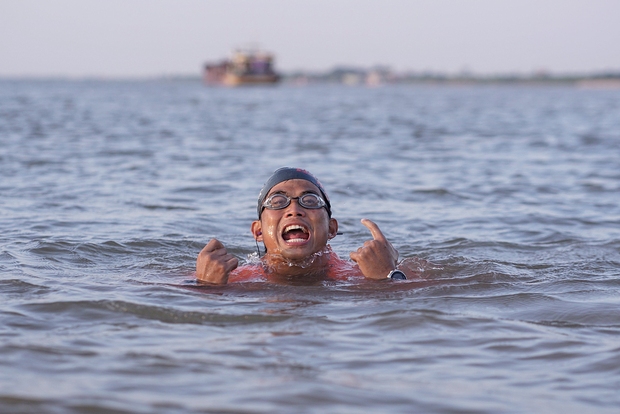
<point x="381" y="76"/>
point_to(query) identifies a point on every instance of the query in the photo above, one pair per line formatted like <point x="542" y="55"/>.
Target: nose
<point x="295" y="209"/>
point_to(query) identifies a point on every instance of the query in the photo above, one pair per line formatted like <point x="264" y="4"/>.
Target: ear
<point x="257" y="230"/>
<point x="333" y="228"/>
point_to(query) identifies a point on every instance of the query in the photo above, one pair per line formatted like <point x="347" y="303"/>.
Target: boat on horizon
<point x="245" y="67"/>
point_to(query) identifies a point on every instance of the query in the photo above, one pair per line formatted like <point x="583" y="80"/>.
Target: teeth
<point x="295" y="227"/>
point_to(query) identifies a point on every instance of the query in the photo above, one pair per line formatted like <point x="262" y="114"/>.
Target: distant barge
<point x="246" y="67"/>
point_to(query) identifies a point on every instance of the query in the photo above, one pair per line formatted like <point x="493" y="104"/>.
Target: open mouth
<point x="295" y="233"/>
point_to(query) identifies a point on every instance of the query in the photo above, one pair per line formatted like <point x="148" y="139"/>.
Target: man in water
<point x="294" y="224"/>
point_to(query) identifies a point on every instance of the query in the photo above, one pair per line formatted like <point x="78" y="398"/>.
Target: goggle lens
<point x="280" y="201"/>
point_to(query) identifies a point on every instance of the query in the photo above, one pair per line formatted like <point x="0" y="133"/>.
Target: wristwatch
<point x="397" y="275"/>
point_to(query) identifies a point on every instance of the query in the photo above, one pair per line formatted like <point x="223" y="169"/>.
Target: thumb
<point x="374" y="230"/>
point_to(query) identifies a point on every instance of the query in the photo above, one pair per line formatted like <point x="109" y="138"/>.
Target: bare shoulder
<point x="341" y="269"/>
<point x="248" y="273"/>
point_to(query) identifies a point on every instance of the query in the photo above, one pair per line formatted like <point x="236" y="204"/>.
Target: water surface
<point x="110" y="189"/>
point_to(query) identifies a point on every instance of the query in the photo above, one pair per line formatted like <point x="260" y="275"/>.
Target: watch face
<point x="398" y="275"/>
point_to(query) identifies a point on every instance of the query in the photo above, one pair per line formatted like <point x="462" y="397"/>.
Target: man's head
<point x="294" y="215"/>
<point x="285" y="174"/>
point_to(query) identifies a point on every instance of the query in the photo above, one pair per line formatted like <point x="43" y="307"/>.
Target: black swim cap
<point x="285" y="174"/>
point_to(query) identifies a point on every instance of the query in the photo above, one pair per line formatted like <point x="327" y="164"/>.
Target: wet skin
<point x="294" y="232"/>
<point x="295" y="238"/>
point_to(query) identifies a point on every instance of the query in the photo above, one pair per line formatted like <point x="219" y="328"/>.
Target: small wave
<point x="111" y="310"/>
<point x="19" y="288"/>
<point x="166" y="207"/>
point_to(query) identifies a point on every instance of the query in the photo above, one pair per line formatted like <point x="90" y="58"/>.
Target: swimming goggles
<point x="279" y="201"/>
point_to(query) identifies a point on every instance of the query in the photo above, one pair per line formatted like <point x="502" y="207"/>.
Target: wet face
<point x="294" y="232"/>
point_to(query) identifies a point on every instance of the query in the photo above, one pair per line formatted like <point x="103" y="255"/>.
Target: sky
<point x="151" y="38"/>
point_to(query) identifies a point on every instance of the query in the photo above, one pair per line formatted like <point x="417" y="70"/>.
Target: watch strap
<point x="397" y="275"/>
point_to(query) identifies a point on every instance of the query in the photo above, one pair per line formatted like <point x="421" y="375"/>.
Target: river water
<point x="509" y="195"/>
